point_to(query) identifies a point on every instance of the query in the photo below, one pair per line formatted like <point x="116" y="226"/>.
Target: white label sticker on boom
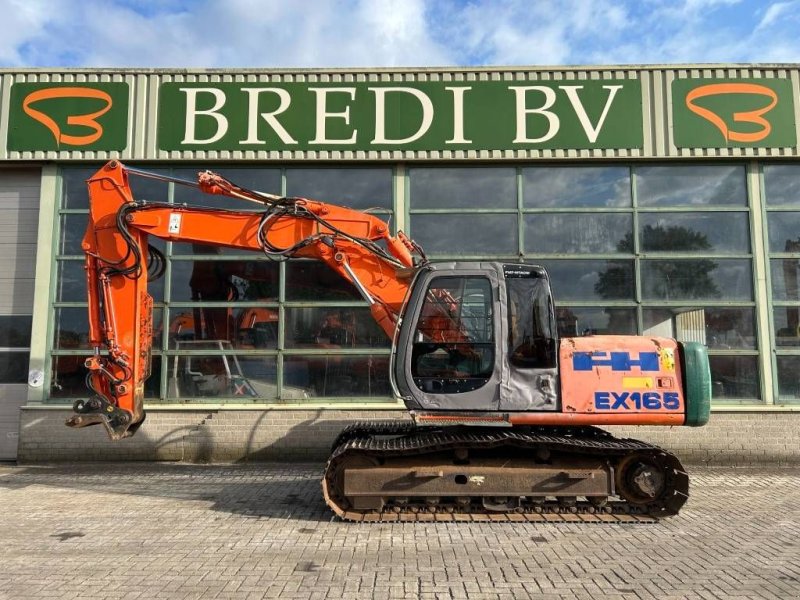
<point x="175" y="223"/>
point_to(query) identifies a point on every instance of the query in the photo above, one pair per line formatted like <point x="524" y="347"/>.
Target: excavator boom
<point x="118" y="255"/>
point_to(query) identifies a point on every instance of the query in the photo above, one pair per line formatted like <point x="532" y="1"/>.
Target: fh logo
<point x="618" y="361"/>
<point x="755" y="116"/>
<point x="88" y="120"/>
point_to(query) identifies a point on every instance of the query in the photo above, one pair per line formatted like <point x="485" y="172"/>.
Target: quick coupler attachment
<point x="98" y="411"/>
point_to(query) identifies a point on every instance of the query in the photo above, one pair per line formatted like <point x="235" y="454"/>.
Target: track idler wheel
<point x="654" y="482"/>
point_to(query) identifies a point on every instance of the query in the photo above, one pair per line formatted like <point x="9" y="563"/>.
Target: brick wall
<point x="292" y="435"/>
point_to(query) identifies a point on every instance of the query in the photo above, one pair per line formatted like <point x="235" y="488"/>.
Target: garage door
<point x="19" y="217"/>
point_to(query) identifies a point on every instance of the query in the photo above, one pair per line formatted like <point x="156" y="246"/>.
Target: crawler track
<point x="645" y="482"/>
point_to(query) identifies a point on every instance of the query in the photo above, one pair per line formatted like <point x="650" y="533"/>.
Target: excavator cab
<point x="478" y="337"/>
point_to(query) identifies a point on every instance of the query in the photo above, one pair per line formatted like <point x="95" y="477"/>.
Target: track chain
<point x="404" y="438"/>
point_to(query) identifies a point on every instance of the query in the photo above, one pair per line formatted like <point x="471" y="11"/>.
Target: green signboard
<point x="719" y="113"/>
<point x="375" y="116"/>
<point x="68" y="116"/>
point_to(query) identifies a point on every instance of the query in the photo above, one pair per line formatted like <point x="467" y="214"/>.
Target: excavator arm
<point x="118" y="259"/>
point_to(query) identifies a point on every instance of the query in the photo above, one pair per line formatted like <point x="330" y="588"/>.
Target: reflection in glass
<point x="566" y="187"/>
<point x="330" y="375"/>
<point x="71" y="283"/>
<point x="789" y="378"/>
<point x="585" y="233"/>
<point x="784" y="273"/>
<point x="15" y="331"/>
<point x="782" y="185"/>
<point x="260" y="180"/>
<point x="786" y="320"/>
<point x="314" y="280"/>
<point x="717" y="328"/>
<point x="690" y="185"/>
<point x="71" y="328"/>
<point x="734" y="378"/>
<point x="463" y="187"/>
<point x="360" y="188"/>
<point x="68" y="377"/>
<point x="246" y="327"/>
<point x="324" y="327"/>
<point x="694" y="232"/>
<point x="784" y="231"/>
<point x="73" y="226"/>
<point x="73" y="186"/>
<point x="471" y="234"/>
<point x="223" y="280"/>
<point x="590" y="279"/>
<point x="700" y="279"/>
<point x="14" y="367"/>
<point x="75" y="193"/>
<point x="578" y="321"/>
<point x="226" y="375"/>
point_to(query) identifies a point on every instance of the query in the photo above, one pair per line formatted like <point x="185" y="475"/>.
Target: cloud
<point x="391" y="33"/>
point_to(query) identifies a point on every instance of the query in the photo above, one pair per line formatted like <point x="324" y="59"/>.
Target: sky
<point x="394" y="33"/>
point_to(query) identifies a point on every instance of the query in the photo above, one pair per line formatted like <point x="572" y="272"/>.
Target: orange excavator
<point x="504" y="414"/>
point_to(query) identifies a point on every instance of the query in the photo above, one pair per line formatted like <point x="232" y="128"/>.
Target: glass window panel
<point x="73" y="182"/>
<point x="691" y="185"/>
<point x="717" y="328"/>
<point x="71" y="283"/>
<point x="223" y="280"/>
<point x="238" y="377"/>
<point x="784" y="231"/>
<point x="784" y="274"/>
<point x="15" y="331"/>
<point x="578" y="321"/>
<point x="150" y="190"/>
<point x="181" y="249"/>
<point x="247" y="327"/>
<point x="260" y="180"/>
<point x="76" y="195"/>
<point x="734" y="378"/>
<point x="463" y="187"/>
<point x="355" y="188"/>
<point x="14" y="367"/>
<point x="782" y="185"/>
<point x="475" y="234"/>
<point x="326" y="328"/>
<point x="565" y="187"/>
<point x="590" y="279"/>
<point x="715" y="232"/>
<point x="700" y="279"/>
<point x="786" y="320"/>
<point x="68" y="378"/>
<point x="578" y="233"/>
<point x="789" y="378"/>
<point x="336" y="376"/>
<point x="73" y="226"/>
<point x="314" y="280"/>
<point x="72" y="328"/>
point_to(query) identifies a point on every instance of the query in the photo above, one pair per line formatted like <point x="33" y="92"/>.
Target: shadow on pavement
<point x="267" y="490"/>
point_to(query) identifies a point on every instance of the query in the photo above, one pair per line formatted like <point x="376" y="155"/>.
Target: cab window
<point x="453" y="349"/>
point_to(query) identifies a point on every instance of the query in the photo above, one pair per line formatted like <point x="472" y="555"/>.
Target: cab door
<point x="447" y="354"/>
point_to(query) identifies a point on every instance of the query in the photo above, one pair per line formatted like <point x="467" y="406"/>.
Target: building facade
<point x="662" y="201"/>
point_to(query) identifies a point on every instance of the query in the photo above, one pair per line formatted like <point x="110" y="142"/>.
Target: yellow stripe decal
<point x="638" y="382"/>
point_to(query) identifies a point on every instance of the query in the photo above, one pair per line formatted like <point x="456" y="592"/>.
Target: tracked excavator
<point x="505" y="415"/>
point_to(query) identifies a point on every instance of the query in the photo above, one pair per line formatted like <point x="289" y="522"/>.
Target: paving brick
<point x="156" y="530"/>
